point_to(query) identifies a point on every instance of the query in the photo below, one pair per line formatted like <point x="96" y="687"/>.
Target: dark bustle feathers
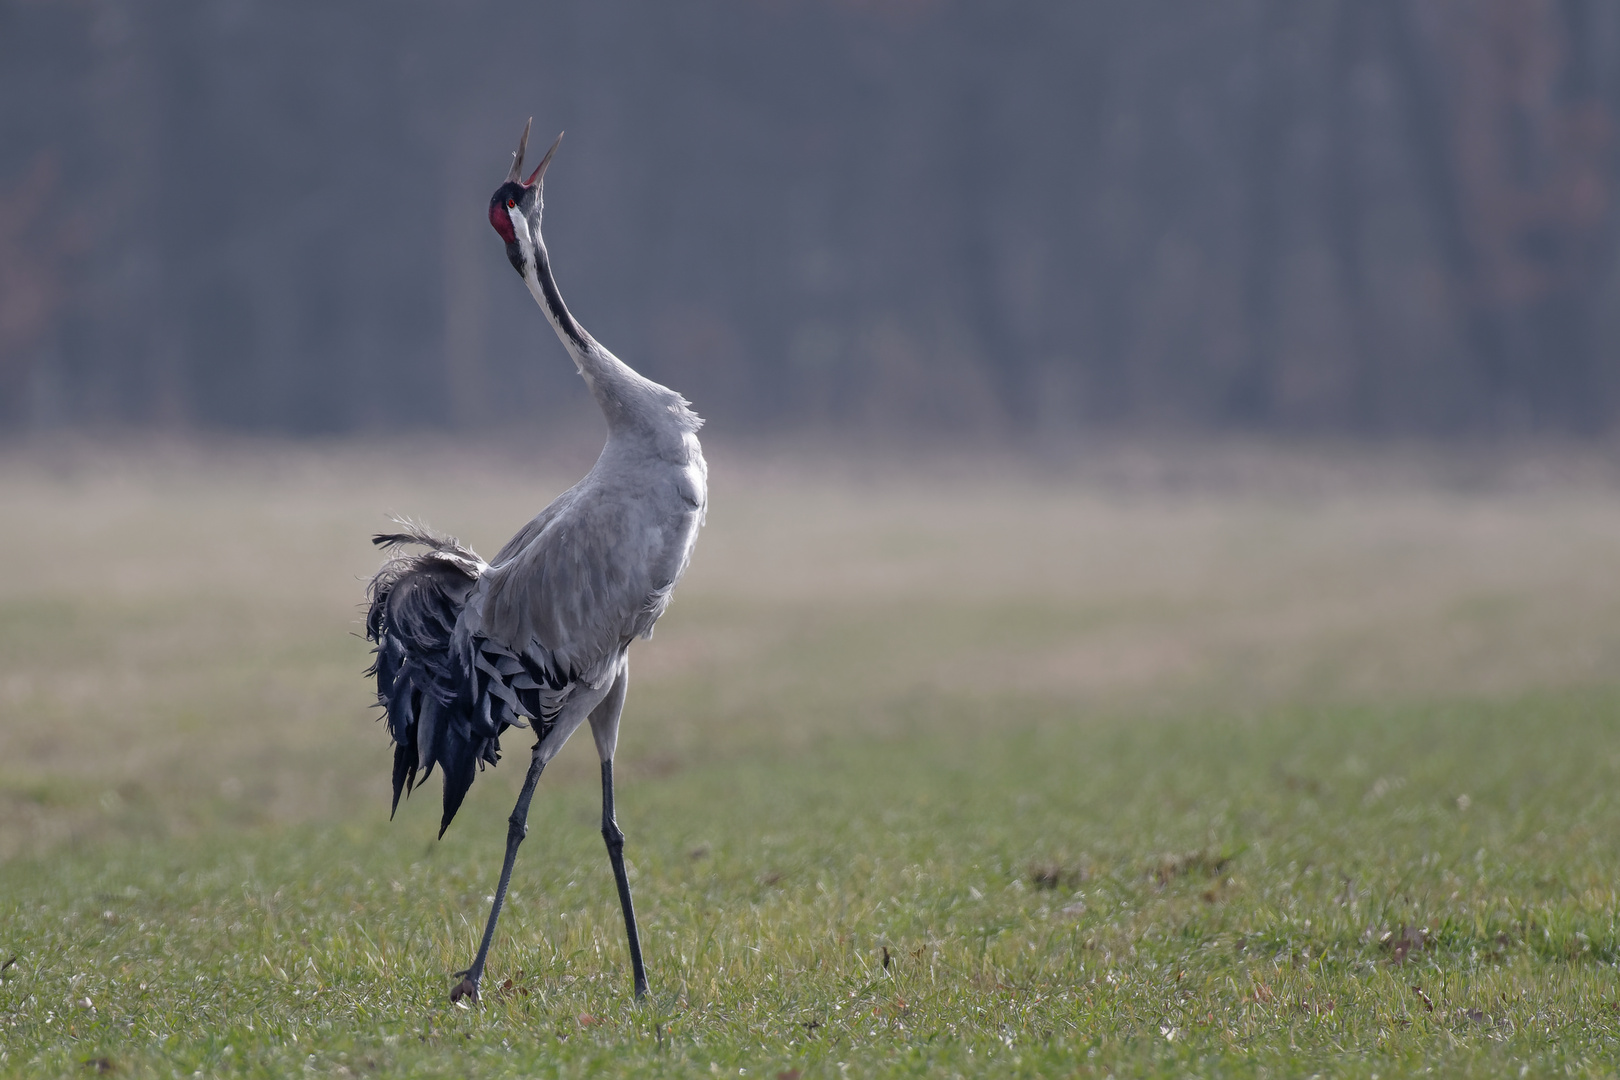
<point x="434" y="707"/>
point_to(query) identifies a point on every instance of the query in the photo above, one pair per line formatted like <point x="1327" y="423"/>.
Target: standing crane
<point x="540" y="636"/>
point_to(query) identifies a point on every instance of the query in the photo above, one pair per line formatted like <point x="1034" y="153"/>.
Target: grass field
<point x="1221" y="764"/>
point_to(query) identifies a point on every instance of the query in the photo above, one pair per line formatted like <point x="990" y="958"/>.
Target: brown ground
<point x="178" y="623"/>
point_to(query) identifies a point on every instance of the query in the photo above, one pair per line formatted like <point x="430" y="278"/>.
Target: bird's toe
<point x="466" y="988"/>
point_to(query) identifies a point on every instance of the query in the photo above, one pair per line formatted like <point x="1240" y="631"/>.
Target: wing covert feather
<point x="581" y="584"/>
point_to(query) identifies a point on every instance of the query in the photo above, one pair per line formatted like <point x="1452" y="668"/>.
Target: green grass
<point x="1130" y="782"/>
<point x="1354" y="891"/>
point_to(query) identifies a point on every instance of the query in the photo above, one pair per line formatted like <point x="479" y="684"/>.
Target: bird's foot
<point x="466" y="988"/>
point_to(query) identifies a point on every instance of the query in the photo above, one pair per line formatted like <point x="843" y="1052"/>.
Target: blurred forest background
<point x="1365" y="217"/>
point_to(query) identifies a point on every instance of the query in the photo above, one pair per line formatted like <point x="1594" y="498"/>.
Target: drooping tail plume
<point x="436" y="712"/>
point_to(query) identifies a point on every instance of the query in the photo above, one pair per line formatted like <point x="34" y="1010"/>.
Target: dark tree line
<point x="1364" y="216"/>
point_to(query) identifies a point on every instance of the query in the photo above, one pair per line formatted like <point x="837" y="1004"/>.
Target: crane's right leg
<point x="517" y="827"/>
<point x="615" y="845"/>
<point x="605" y="727"/>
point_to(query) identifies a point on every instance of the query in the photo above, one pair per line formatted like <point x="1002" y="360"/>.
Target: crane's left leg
<point x="605" y="729"/>
<point x="517" y="827"/>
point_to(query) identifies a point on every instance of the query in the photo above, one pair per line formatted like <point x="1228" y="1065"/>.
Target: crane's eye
<point x="511" y="204"/>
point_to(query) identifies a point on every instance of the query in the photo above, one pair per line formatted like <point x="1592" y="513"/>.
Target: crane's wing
<point x="569" y="593"/>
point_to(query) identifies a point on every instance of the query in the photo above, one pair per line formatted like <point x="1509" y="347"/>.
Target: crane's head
<point x="514" y="209"/>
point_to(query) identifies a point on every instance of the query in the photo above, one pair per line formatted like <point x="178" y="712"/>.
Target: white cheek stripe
<point x="520" y="230"/>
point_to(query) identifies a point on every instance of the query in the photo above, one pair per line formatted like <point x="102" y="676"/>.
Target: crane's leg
<point x="615" y="845"/>
<point x="517" y="827"/>
<point x="605" y="729"/>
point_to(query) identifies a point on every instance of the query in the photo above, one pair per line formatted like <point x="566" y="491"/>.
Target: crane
<point x="539" y="637"/>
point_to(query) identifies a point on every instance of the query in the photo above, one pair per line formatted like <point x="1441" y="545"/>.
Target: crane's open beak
<point x="540" y="169"/>
<point x="517" y="159"/>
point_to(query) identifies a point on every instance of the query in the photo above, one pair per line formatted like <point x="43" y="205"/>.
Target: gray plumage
<point x="538" y="636"/>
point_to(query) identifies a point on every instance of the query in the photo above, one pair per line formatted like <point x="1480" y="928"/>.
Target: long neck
<point x="616" y="387"/>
